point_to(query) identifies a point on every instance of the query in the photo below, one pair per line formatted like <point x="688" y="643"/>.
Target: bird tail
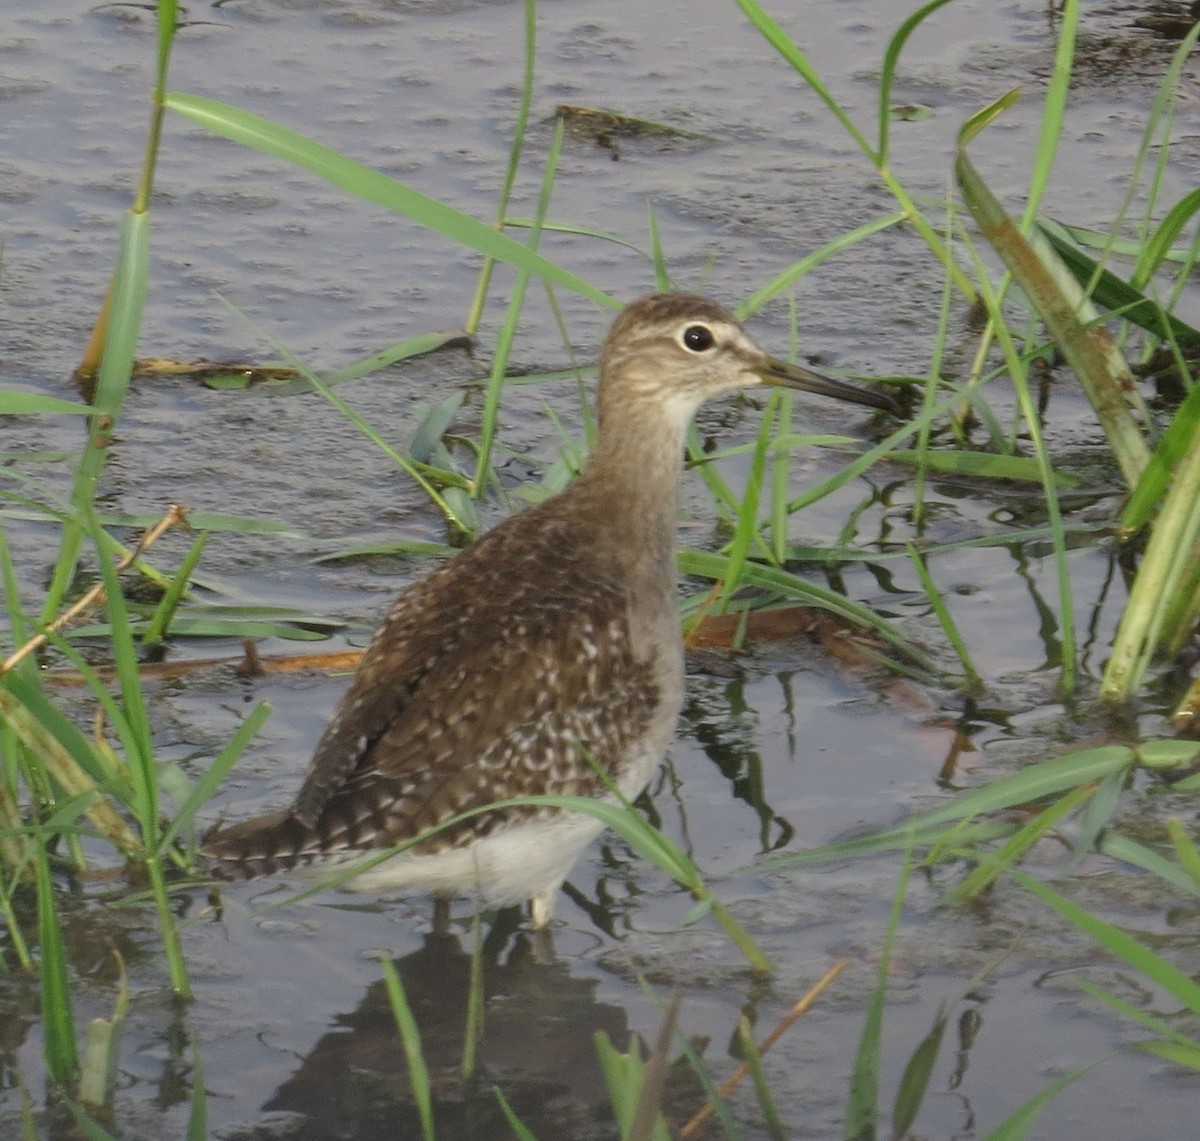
<point x="261" y="846"/>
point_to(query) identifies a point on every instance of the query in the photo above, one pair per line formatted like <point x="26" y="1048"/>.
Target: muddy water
<point x="779" y="749"/>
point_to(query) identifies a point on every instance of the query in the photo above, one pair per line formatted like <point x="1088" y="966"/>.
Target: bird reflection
<point x="537" y="1047"/>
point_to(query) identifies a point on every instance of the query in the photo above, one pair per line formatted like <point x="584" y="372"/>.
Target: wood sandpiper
<point x="548" y="648"/>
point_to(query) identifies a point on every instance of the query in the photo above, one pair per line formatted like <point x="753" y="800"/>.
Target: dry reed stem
<point x="175" y="517"/>
<point x="785" y="1024"/>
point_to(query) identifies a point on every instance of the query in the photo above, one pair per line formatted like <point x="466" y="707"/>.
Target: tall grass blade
<point x="625" y="1076"/>
<point x="945" y="619"/>
<point x="1106" y="288"/>
<point x="133" y="727"/>
<point x="58" y="1021"/>
<point x="127" y="300"/>
<point x="197" y="1123"/>
<point x="887" y="73"/>
<point x="34" y="404"/>
<point x="786" y="47"/>
<point x="204" y="788"/>
<point x="1181" y="437"/>
<point x="475" y="314"/>
<point x="270" y="138"/>
<point x="519" y="1130"/>
<point x="410" y="1038"/>
<point x="1088" y="348"/>
<point x="508" y="330"/>
<point x="1164" y="583"/>
<point x="810" y="261"/>
<point x="992" y="864"/>
<point x="160" y="620"/>
<point x="89" y="1129"/>
<point x="1152" y="1022"/>
<point x="1004" y="233"/>
<point x="862" y="1105"/>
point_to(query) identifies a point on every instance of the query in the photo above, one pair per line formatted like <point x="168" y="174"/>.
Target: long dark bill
<point x="787" y="375"/>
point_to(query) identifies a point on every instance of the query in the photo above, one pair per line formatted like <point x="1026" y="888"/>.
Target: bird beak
<point x="785" y="375"/>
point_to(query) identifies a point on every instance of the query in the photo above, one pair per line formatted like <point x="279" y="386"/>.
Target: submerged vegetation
<point x="76" y="798"/>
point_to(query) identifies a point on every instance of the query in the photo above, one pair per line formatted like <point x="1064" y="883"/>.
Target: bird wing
<point x="475" y="689"/>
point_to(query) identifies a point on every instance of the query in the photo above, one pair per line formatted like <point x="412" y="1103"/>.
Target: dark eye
<point x="698" y="338"/>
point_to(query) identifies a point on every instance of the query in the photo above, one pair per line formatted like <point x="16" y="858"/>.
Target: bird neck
<point x="632" y="479"/>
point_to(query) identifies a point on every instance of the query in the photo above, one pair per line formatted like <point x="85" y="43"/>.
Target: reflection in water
<point x="537" y="1046"/>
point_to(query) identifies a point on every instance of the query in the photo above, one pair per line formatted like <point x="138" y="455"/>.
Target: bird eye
<point x="698" y="338"/>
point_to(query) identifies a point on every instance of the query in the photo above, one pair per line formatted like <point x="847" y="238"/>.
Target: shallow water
<point x="778" y="749"/>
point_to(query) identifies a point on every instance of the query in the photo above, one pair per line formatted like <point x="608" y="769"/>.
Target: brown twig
<point x="785" y="1023"/>
<point x="174" y="517"/>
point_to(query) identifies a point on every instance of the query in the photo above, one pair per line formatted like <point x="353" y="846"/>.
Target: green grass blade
<point x="156" y="631"/>
<point x="1017" y="1127"/>
<point x="794" y="587"/>
<point x="1158" y="248"/>
<point x="1156" y="590"/>
<point x="662" y="276"/>
<point x="422" y="344"/>
<point x="124" y="326"/>
<point x="508" y="330"/>
<point x="762" y="1087"/>
<point x="410" y="1038"/>
<point x="746" y="526"/>
<point x="475" y="313"/>
<point x="204" y="788"/>
<point x="519" y="1130"/>
<point x="1054" y="112"/>
<point x="1181" y="437"/>
<point x="1100" y="369"/>
<point x="887" y="75"/>
<point x="810" y="261"/>
<point x="1138" y="855"/>
<point x="58" y="1023"/>
<point x="1046" y="778"/>
<point x="1113" y="292"/>
<point x="862" y="1105"/>
<point x="270" y="138"/>
<point x="1153" y="966"/>
<point x="1185" y="849"/>
<point x="993" y="863"/>
<point x="1152" y="1023"/>
<point x="89" y="1129"/>
<point x="197" y="1123"/>
<point x="945" y="618"/>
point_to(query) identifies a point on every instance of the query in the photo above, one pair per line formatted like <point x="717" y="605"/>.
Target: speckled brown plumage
<point x="548" y="647"/>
